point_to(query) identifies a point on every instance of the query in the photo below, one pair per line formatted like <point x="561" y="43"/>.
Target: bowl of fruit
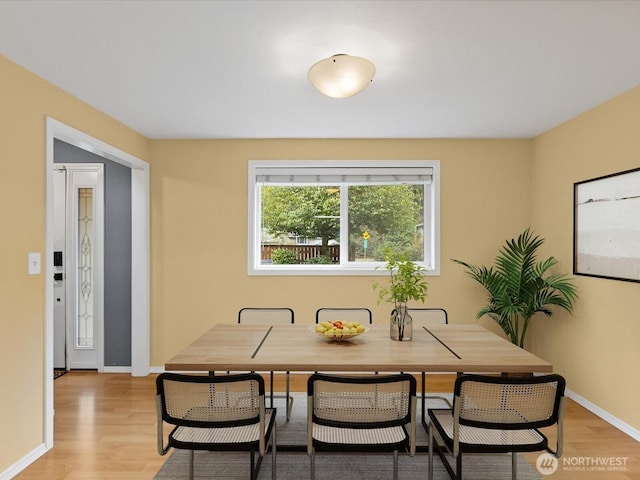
<point x="338" y="330"/>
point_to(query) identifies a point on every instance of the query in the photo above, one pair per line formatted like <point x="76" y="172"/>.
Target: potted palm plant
<point x="518" y="288"/>
<point x="406" y="282"/>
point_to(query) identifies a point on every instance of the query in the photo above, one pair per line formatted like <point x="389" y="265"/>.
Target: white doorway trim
<point x="140" y="361"/>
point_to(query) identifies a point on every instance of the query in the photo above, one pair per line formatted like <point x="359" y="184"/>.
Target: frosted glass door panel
<point x="85" y="252"/>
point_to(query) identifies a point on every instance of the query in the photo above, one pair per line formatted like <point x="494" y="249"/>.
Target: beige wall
<point x="596" y="348"/>
<point x="199" y="229"/>
<point x="25" y="101"/>
<point x="490" y="190"/>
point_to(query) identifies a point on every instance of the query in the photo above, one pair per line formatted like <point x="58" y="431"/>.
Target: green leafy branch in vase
<point x="406" y="282"/>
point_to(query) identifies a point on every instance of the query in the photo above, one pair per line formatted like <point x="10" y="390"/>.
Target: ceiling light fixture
<point x="341" y="76"/>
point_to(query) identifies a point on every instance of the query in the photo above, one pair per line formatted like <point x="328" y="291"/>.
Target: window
<point x="339" y="217"/>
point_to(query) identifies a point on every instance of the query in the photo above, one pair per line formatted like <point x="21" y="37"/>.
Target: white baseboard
<point x="606" y="416"/>
<point x="23" y="463"/>
<point x="116" y="369"/>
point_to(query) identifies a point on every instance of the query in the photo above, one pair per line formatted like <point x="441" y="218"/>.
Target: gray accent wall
<point x="117" y="251"/>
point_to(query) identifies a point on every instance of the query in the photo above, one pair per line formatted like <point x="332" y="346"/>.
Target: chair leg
<point x="312" y="464"/>
<point x="395" y="465"/>
<point x="424" y="399"/>
<point x="271" y="390"/>
<point x="273" y="452"/>
<point x="191" y="462"/>
<point x="514" y="465"/>
<point x="446" y="463"/>
<point x="430" y="466"/>
<point x="288" y="398"/>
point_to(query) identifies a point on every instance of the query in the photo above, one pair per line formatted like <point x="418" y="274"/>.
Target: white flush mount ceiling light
<point x="341" y="76"/>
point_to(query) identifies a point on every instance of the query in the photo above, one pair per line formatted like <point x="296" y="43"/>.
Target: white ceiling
<point x="237" y="69"/>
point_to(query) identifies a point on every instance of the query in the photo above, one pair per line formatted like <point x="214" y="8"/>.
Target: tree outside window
<point x="322" y="218"/>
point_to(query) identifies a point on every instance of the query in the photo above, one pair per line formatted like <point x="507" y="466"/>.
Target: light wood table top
<point x="294" y="348"/>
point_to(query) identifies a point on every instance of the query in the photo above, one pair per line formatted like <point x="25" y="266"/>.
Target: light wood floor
<point x="105" y="429"/>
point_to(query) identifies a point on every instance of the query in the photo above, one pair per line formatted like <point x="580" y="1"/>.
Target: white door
<point x="78" y="292"/>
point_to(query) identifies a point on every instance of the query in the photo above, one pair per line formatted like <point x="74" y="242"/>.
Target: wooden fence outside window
<point x="303" y="252"/>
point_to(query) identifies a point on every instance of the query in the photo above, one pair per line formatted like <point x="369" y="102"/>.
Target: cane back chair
<point x="425" y="318"/>
<point x="362" y="315"/>
<point x="498" y="415"/>
<point x="361" y="414"/>
<point x="222" y="412"/>
<point x="270" y="316"/>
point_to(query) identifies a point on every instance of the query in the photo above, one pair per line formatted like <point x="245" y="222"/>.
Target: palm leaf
<point x="517" y="287"/>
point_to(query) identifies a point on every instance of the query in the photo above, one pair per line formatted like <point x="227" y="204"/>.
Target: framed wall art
<point x="606" y="226"/>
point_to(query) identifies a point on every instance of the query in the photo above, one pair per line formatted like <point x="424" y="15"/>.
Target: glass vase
<point x="401" y="324"/>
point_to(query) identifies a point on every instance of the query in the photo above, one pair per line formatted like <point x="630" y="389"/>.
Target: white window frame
<point x="431" y="227"/>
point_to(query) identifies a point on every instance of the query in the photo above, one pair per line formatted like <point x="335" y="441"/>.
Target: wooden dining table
<point x="449" y="348"/>
<point x="297" y="348"/>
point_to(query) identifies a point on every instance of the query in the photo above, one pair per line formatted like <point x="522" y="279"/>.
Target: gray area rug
<point x="335" y="466"/>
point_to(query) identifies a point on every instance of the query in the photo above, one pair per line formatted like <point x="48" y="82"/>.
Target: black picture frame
<point x="606" y="226"/>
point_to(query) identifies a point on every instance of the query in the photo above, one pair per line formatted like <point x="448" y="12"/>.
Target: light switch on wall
<point x="33" y="260"/>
